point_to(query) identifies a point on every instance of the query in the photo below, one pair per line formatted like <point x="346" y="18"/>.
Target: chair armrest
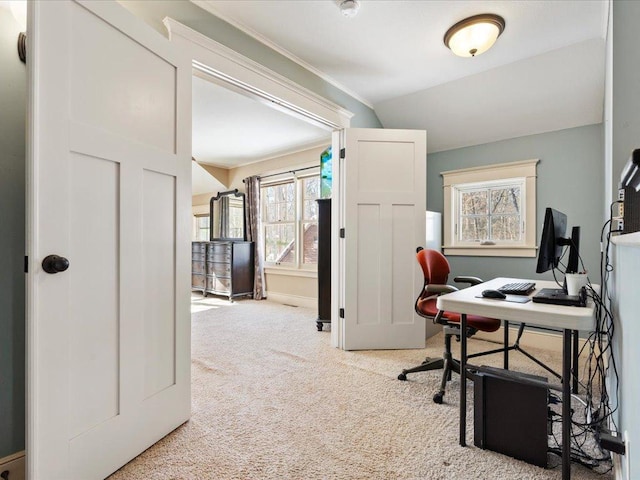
<point x="469" y="280"/>
<point x="439" y="289"/>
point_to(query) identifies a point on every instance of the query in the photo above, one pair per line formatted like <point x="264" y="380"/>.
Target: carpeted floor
<point x="272" y="400"/>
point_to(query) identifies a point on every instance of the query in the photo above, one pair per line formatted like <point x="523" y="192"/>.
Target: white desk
<point x="565" y="318"/>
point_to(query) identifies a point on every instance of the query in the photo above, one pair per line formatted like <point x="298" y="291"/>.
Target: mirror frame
<point x="218" y="196"/>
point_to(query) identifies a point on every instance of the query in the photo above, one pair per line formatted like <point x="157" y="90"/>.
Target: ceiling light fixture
<point x="474" y="35"/>
<point x="349" y="8"/>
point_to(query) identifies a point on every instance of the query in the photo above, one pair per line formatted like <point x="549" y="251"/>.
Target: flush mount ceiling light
<point x="474" y="35"/>
<point x="349" y="8"/>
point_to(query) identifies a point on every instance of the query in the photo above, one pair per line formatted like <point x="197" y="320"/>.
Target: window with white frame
<point x="201" y="227"/>
<point x="290" y="221"/>
<point x="491" y="210"/>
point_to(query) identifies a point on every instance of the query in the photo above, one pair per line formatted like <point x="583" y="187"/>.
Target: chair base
<point x="447" y="363"/>
<point x="427" y="365"/>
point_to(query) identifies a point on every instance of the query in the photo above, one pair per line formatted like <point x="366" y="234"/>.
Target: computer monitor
<point x="553" y="240"/>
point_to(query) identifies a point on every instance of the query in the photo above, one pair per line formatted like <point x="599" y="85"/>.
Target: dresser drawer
<point x="198" y="281"/>
<point x="219" y="247"/>
<point x="198" y="267"/>
<point x="219" y="257"/>
<point x="219" y="269"/>
<point x="199" y="247"/>
<point x="218" y="284"/>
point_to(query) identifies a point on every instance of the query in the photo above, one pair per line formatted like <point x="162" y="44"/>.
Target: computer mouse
<point x="493" y="294"/>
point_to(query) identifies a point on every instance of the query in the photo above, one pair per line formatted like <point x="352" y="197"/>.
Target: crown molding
<point x="207" y="5"/>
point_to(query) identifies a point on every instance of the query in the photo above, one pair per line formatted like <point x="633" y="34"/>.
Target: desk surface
<point x="541" y="314"/>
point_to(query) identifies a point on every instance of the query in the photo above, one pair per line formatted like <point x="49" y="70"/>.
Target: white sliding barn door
<point x="108" y="363"/>
<point x="381" y="189"/>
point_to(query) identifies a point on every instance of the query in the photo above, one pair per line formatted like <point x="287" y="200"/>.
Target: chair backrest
<point x="435" y="266"/>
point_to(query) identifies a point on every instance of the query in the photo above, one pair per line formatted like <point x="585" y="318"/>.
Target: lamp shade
<point x="474" y="35"/>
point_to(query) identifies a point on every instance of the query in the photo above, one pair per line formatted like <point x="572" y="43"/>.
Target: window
<point x="236" y="218"/>
<point x="201" y="227"/>
<point x="290" y="221"/>
<point x="490" y="210"/>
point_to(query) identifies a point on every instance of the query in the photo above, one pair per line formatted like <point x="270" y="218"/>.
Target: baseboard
<point x="296" y="300"/>
<point x="15" y="465"/>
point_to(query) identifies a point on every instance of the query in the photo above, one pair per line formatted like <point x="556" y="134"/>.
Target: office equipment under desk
<point x="567" y="318"/>
<point x="510" y="414"/>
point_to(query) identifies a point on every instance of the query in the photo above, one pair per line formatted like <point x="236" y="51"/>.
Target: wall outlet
<point x="617" y="224"/>
<point x="621" y="194"/>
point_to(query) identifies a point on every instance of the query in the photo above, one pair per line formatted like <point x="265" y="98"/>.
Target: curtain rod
<point x="282" y="173"/>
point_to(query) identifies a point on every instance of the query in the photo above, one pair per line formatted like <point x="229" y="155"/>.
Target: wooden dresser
<point x="222" y="267"/>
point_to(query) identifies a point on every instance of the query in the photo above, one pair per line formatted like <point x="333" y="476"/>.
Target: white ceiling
<point x="546" y="71"/>
<point x="230" y="129"/>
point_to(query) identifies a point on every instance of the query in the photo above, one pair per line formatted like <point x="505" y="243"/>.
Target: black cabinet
<point x="324" y="262"/>
<point x="223" y="267"/>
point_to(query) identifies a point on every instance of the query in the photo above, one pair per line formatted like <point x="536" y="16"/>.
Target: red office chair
<point x="435" y="268"/>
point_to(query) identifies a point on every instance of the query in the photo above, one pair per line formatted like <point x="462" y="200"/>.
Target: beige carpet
<point x="272" y="400"/>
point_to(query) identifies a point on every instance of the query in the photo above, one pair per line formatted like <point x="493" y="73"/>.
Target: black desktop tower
<point x="510" y="415"/>
<point x="631" y="210"/>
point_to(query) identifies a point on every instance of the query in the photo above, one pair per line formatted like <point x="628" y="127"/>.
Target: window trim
<point x="526" y="170"/>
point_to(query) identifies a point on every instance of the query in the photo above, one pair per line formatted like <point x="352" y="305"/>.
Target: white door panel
<point x="381" y="188"/>
<point x="109" y="188"/>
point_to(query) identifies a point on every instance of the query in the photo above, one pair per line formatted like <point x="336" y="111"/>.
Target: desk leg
<point x="566" y="405"/>
<point x="463" y="380"/>
<point x="574" y="369"/>
<point x="506" y="345"/>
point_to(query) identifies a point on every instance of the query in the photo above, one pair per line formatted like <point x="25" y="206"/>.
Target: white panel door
<point x="109" y="182"/>
<point x="382" y="192"/>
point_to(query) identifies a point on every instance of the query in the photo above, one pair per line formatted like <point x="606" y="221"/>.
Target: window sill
<point x="491" y="251"/>
<point x="290" y="272"/>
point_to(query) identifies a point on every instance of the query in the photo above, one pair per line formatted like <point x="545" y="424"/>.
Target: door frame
<point x="217" y="63"/>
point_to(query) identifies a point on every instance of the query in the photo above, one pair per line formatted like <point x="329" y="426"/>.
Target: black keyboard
<point x="520" y="288"/>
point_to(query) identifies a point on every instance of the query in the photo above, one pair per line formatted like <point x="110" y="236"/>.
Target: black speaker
<point x="510" y="415"/>
<point x="631" y="211"/>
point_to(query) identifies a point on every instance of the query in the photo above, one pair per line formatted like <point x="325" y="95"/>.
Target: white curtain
<point x="254" y="233"/>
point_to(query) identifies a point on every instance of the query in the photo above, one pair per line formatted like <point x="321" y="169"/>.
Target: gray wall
<point x="569" y="180"/>
<point x="202" y="21"/>
<point x="13" y="79"/>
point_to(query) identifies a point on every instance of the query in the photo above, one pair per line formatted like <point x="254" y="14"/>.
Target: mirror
<point x="227" y="216"/>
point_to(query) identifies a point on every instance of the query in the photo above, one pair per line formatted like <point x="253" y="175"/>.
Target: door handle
<point x="54" y="264"/>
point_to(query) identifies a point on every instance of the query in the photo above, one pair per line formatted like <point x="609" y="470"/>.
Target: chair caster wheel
<point x="437" y="398"/>
<point x="319" y="326"/>
<point x="402" y="376"/>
